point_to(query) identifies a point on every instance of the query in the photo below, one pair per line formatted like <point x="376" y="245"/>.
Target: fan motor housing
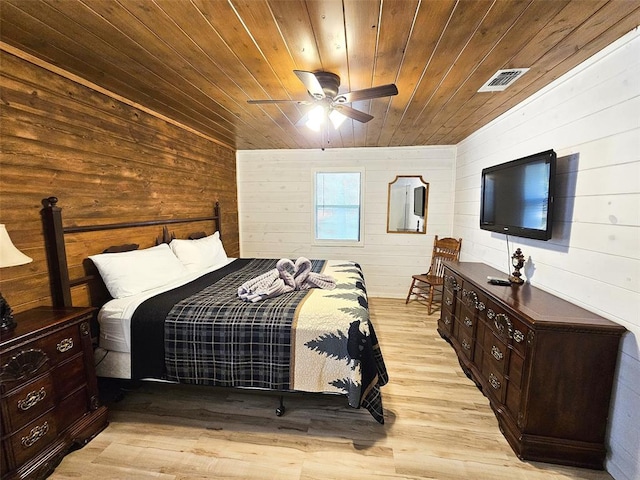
<point x="330" y="83"/>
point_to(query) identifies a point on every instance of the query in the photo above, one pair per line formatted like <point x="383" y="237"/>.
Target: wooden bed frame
<point x="61" y="283"/>
<point x="55" y="231"/>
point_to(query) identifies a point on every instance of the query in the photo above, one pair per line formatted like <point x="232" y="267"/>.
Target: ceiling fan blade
<point x="299" y="102"/>
<point x="368" y="93"/>
<point x="353" y="113"/>
<point x="311" y="83"/>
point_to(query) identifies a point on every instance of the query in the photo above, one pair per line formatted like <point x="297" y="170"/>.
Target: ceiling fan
<point x="323" y="89"/>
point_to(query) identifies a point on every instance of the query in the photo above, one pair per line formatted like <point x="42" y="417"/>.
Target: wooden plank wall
<point x="107" y="161"/>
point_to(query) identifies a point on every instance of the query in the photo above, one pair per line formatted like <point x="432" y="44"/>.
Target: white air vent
<point x="502" y="79"/>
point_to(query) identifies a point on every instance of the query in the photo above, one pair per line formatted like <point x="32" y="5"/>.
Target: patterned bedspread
<point x="311" y="341"/>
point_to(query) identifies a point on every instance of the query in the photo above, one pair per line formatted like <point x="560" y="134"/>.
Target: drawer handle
<point x="31" y="399"/>
<point x="65" y="345"/>
<point x="468" y="322"/>
<point x="448" y="301"/>
<point x="447" y="320"/>
<point x="518" y="336"/>
<point x="493" y="380"/>
<point x="466" y="345"/>
<point x="35" y="434"/>
<point x="497" y="354"/>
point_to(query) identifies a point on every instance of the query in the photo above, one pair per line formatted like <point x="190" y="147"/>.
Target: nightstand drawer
<point x="62" y="344"/>
<point x="72" y="408"/>
<point x="70" y="375"/>
<point x="34" y="437"/>
<point x="29" y="402"/>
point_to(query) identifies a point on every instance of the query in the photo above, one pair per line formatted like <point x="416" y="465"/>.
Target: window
<point x="338" y="206"/>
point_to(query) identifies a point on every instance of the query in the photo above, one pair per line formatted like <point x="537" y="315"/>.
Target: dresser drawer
<point x="34" y="437"/>
<point x="28" y="402"/>
<point x="496" y="352"/>
<point x="448" y="299"/>
<point x="495" y="383"/>
<point x="446" y="320"/>
<point x="467" y="322"/>
<point x="467" y="344"/>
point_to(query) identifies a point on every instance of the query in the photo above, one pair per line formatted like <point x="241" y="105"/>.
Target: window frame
<point x="337" y="242"/>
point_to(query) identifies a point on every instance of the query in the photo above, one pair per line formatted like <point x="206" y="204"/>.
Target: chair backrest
<point x="444" y="250"/>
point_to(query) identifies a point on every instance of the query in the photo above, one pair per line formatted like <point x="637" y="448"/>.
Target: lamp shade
<point x="9" y="255"/>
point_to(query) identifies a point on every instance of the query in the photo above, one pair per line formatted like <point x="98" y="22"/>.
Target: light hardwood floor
<point x="438" y="426"/>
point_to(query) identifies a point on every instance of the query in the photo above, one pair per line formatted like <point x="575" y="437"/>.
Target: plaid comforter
<point x="311" y="341"/>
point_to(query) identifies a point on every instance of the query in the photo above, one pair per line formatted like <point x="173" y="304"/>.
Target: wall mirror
<point x="407" y="204"/>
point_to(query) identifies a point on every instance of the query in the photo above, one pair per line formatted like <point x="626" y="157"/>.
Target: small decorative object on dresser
<point x="49" y="391"/>
<point x="545" y="365"/>
<point x="517" y="260"/>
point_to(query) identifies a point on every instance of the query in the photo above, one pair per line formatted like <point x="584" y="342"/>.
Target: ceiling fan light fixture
<point x="336" y="118"/>
<point x="323" y="89"/>
<point x="316" y="118"/>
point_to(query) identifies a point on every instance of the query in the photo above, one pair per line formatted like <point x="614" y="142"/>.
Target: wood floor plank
<point x="438" y="426"/>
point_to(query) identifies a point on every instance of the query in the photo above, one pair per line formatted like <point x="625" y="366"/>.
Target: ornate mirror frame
<point x="403" y="200"/>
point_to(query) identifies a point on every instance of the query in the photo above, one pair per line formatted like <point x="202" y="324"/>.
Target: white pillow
<point x="197" y="255"/>
<point x="130" y="273"/>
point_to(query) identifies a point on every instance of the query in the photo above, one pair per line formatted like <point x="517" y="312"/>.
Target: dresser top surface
<point x="539" y="307"/>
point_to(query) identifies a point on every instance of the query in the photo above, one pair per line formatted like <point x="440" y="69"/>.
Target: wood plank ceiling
<point x="197" y="62"/>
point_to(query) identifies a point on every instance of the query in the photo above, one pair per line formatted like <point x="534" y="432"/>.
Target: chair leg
<point x="413" y="282"/>
<point x="430" y="299"/>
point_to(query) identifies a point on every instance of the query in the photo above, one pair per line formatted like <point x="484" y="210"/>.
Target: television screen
<point x="419" y="194"/>
<point x="517" y="196"/>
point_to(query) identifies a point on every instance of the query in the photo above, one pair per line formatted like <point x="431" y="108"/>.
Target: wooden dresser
<point x="545" y="365"/>
<point x="49" y="390"/>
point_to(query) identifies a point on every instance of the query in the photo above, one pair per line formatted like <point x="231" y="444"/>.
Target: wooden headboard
<point x="55" y="231"/>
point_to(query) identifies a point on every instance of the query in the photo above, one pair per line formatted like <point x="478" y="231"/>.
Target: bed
<point x="179" y="317"/>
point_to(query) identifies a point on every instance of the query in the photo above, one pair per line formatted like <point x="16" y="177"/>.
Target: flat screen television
<point x="419" y="194"/>
<point x="517" y="196"/>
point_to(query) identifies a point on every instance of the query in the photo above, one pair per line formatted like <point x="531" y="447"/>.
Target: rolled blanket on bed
<point x="264" y="286"/>
<point x="306" y="279"/>
<point x="286" y="277"/>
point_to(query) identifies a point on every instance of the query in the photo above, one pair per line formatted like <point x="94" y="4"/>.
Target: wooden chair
<point x="426" y="285"/>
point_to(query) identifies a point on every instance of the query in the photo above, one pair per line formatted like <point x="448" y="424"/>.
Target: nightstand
<point x="49" y="391"/>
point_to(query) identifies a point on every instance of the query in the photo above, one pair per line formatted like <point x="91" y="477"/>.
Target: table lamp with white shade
<point x="10" y="256"/>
